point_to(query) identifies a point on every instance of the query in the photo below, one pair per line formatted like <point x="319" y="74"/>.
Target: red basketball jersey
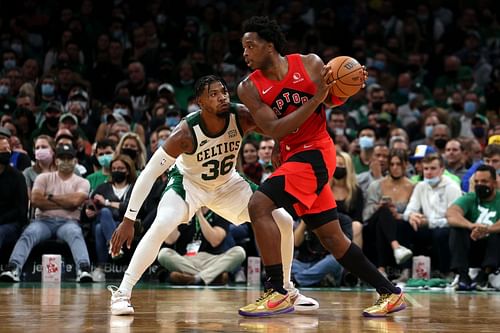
<point x="284" y="97"/>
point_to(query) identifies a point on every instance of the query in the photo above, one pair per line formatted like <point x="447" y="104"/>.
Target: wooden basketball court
<point x="70" y="307"/>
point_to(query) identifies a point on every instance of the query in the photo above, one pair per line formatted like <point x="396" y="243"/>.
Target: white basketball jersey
<point x="214" y="160"/>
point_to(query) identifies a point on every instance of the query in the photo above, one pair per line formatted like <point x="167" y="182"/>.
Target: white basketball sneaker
<point x="120" y="302"/>
<point x="301" y="303"/>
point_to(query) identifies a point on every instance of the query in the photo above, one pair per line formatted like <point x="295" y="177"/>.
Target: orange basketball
<point x="349" y="76"/>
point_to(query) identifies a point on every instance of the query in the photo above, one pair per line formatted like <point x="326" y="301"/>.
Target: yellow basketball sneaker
<point x="269" y="304"/>
<point x="386" y="303"/>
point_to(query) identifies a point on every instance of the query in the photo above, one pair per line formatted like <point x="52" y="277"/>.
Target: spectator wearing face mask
<point x="121" y="112"/>
<point x="348" y="194"/>
<point x="131" y="145"/>
<point x="103" y="155"/>
<point x="108" y="205"/>
<point x="47" y="90"/>
<point x="50" y="125"/>
<point x="366" y="140"/>
<point x="491" y="157"/>
<point x="13" y="197"/>
<point x="58" y="197"/>
<point x="44" y="148"/>
<point x="461" y="121"/>
<point x="7" y="101"/>
<point x="426" y="212"/>
<point x="475" y="226"/>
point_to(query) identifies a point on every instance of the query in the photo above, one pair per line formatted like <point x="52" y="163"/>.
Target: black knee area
<point x="274" y="188"/>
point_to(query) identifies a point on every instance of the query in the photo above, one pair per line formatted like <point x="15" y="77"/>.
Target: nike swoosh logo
<point x="267" y="90"/>
<point x="391" y="306"/>
<point x="271" y="304"/>
<point x="307" y="146"/>
<point x="132" y="210"/>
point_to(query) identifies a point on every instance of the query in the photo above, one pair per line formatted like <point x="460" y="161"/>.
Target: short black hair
<point x="105" y="143"/>
<point x="489" y="168"/>
<point x="267" y="29"/>
<point x="207" y="80"/>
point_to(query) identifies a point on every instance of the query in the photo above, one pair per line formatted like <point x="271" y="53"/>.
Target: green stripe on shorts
<point x="175" y="182"/>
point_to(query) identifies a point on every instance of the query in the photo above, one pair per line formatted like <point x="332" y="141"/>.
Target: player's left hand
<point x="123" y="233"/>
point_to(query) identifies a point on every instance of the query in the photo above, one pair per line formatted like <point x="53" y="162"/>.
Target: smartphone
<point x="386" y="199"/>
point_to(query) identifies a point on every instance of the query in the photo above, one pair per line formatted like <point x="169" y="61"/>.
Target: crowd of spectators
<point x="111" y="79"/>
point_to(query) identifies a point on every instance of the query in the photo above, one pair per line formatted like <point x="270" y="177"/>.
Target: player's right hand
<point x="123" y="233"/>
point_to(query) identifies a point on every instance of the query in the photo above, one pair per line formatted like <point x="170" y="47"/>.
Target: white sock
<point x="285" y="224"/>
<point x="172" y="211"/>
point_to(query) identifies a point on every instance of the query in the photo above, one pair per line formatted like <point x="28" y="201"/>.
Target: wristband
<point x="107" y="203"/>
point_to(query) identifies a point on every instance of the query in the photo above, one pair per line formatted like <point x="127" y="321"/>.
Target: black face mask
<point x="440" y="143"/>
<point x="340" y="172"/>
<point x="382" y="131"/>
<point x="456" y="106"/>
<point x="5" y="158"/>
<point x="482" y="191"/>
<point x="377" y="105"/>
<point x="52" y="121"/>
<point x="118" y="176"/>
<point x="132" y="153"/>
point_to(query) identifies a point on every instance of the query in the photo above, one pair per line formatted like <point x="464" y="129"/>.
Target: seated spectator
<point x="366" y="140"/>
<point x="65" y="137"/>
<point x="109" y="202"/>
<point x="58" y="197"/>
<point x="122" y="110"/>
<point x="13" y="198"/>
<point x="50" y="125"/>
<point x="18" y="159"/>
<point x="130" y="144"/>
<point x="420" y="152"/>
<point x="313" y="264"/>
<point x="201" y="252"/>
<point x="265" y="153"/>
<point x="491" y="157"/>
<point x="454" y="158"/>
<point x="377" y="167"/>
<point x="348" y="194"/>
<point x="426" y="211"/>
<point x="386" y="201"/>
<point x="44" y="159"/>
<point x="104" y="154"/>
<point x="248" y="162"/>
<point x="476" y="216"/>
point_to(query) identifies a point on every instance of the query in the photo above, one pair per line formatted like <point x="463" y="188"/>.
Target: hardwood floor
<point x="33" y="307"/>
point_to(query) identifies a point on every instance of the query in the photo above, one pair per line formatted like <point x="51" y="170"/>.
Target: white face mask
<point x="432" y="181"/>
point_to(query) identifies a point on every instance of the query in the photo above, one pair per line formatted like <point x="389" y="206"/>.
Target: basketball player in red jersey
<point x="286" y="97"/>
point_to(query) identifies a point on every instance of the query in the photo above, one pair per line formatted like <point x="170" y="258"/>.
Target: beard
<point x="223" y="114"/>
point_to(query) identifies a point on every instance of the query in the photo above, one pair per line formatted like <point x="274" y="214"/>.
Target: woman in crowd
<point x="248" y="162"/>
<point x="45" y="148"/>
<point x="108" y="205"/>
<point x="130" y="144"/>
<point x="385" y="203"/>
<point x="348" y="194"/>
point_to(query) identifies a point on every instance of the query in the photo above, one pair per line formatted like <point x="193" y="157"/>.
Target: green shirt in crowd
<point x="478" y="211"/>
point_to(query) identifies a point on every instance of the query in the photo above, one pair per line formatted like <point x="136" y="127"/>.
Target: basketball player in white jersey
<point x="201" y="154"/>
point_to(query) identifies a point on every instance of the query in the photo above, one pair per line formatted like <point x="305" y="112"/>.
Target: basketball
<point x="348" y="73"/>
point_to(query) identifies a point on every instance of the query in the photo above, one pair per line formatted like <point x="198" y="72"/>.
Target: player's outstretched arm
<point x="179" y="142"/>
